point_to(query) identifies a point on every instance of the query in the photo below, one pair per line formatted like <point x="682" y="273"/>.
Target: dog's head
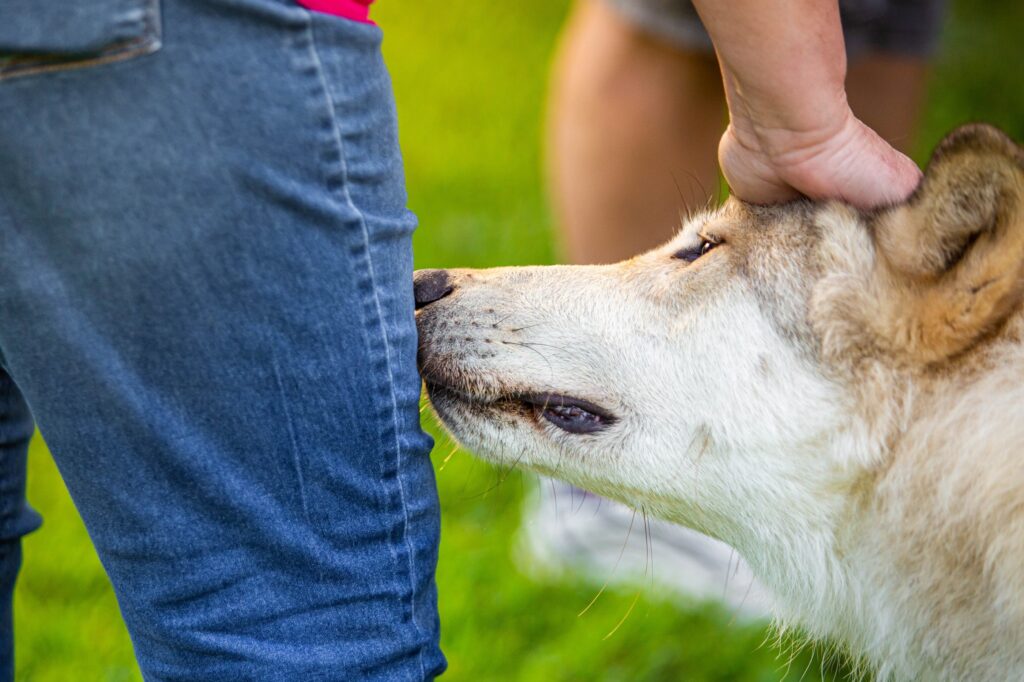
<point x="738" y="377"/>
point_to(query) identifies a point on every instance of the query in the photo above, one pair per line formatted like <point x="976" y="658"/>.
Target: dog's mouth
<point x="573" y="415"/>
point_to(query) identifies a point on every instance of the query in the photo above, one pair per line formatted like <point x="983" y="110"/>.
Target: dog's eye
<point x="692" y="253"/>
<point x="570" y="414"/>
<point x="573" y="419"/>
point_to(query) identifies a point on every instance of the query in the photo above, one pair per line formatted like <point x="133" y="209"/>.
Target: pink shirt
<point x="356" y="10"/>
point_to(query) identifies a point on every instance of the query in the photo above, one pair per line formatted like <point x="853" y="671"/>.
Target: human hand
<point x="791" y="130"/>
<point x="845" y="160"/>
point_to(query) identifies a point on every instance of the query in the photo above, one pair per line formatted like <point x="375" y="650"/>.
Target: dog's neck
<point x="830" y="581"/>
<point x="905" y="560"/>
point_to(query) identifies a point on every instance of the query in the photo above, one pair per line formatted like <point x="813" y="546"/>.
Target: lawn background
<point x="470" y="79"/>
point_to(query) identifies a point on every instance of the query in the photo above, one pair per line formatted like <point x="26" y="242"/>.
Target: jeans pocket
<point x="40" y="36"/>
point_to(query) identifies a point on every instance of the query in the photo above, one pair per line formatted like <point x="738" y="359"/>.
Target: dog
<point x="837" y="394"/>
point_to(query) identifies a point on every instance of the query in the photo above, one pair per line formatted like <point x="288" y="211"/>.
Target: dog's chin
<point x="459" y="409"/>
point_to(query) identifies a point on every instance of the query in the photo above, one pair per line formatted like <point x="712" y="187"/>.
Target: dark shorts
<point x="903" y="27"/>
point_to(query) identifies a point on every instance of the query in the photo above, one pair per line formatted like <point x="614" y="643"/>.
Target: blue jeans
<point x="206" y="306"/>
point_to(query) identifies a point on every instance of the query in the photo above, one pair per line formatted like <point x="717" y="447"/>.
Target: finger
<point x="876" y="174"/>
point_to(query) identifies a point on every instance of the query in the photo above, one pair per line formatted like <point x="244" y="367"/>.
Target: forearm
<point x="783" y="65"/>
<point x="791" y="130"/>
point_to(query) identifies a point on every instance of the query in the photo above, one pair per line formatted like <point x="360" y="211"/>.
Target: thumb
<point x="869" y="172"/>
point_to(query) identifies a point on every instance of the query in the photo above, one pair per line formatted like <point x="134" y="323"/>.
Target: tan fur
<point x="837" y="395"/>
<point x="971" y="201"/>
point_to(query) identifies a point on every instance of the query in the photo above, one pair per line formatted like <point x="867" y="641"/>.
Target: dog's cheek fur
<point x="843" y="299"/>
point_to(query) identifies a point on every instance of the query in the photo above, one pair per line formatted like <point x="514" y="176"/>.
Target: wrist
<point x="787" y="131"/>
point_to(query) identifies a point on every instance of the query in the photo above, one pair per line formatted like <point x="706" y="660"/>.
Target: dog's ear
<point x="952" y="256"/>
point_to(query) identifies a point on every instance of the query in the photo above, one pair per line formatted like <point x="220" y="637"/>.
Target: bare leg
<point x="887" y="92"/>
<point x="633" y="132"/>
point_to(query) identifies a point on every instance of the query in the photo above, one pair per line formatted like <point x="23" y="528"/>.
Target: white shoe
<point x="567" y="530"/>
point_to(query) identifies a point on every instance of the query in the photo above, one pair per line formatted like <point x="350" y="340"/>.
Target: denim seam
<point x="17" y="429"/>
<point x="149" y="42"/>
<point x="292" y="440"/>
<point x="381" y="330"/>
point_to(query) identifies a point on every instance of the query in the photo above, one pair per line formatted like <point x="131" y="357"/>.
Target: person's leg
<point x="206" y="300"/>
<point x="633" y="130"/>
<point x="890" y="44"/>
<point x="16" y="517"/>
<point x="887" y="91"/>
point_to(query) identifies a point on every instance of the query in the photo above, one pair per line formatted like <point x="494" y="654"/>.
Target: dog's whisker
<point x="614" y="568"/>
<point x="473" y="463"/>
<point x="536" y="343"/>
<point x="648" y="549"/>
<point x="529" y="326"/>
<point x="514" y="466"/>
<point x="728" y="573"/>
<point x="618" y="625"/>
<point x="554" y="496"/>
<point x="739" y="608"/>
<point x="530" y="346"/>
<point x="498" y="323"/>
<point x="583" y="501"/>
<point x="502" y="475"/>
<point x="444" y="462"/>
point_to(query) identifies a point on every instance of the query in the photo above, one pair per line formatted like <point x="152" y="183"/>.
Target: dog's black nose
<point x="430" y="285"/>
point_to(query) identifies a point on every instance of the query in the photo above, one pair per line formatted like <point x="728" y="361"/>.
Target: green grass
<point x="470" y="80"/>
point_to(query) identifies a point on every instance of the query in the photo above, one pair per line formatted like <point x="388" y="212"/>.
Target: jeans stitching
<point x="381" y="330"/>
